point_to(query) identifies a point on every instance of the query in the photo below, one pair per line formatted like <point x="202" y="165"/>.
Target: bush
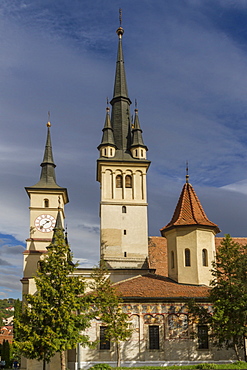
<point x="100" y="367"/>
<point x="206" y="366"/>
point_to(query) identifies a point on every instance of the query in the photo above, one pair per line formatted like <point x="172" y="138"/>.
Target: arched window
<point x="124" y="209"/>
<point x="141" y="153"/>
<point x="128" y="181"/>
<point x="46" y="203"/>
<point x="136" y="153"/>
<point x="187" y="257"/>
<point x="172" y="260"/>
<point x="111" y="151"/>
<point x="105" y="151"/>
<point x="204" y="257"/>
<point x="119" y="181"/>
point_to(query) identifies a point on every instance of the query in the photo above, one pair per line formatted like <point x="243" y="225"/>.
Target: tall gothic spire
<point x="120" y="118"/>
<point x="118" y="131"/>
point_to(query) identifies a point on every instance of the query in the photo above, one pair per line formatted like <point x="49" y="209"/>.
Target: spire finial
<point x="136" y="110"/>
<point x="107" y="105"/>
<point x="48" y="122"/>
<point x="187" y="172"/>
<point x="120" y="30"/>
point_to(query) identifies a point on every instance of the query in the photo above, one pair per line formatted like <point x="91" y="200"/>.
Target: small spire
<point x="107" y="137"/>
<point x="137" y="140"/>
<point x="187" y="172"/>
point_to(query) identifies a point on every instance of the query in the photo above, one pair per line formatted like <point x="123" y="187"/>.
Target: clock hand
<point x="44" y="224"/>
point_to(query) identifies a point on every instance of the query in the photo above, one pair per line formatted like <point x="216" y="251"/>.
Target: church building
<point x="155" y="276"/>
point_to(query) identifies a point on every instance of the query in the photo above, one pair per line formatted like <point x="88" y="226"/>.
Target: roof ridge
<point x="131" y="278"/>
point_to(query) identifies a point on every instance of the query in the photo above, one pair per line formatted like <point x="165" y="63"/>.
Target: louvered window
<point x="128" y="181"/>
<point x="119" y="181"/>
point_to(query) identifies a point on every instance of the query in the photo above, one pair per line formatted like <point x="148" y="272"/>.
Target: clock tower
<point x="45" y="198"/>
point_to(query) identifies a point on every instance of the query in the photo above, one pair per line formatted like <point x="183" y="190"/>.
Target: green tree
<point x="53" y="318"/>
<point x="228" y="321"/>
<point x="5" y="352"/>
<point x="107" y="305"/>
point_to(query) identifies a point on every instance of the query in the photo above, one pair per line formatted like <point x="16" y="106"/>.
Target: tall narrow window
<point x="124" y="209"/>
<point x="104" y="343"/>
<point x="136" y="153"/>
<point x="128" y="181"/>
<point x="46" y="203"/>
<point x="202" y="337"/>
<point x="154" y="337"/>
<point x="119" y="181"/>
<point x="187" y="257"/>
<point x="204" y="257"/>
<point x="111" y="151"/>
<point x="172" y="260"/>
<point x="105" y="151"/>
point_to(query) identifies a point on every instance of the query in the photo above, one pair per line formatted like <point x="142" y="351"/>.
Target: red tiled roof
<point x="241" y="241"/>
<point x="189" y="211"/>
<point x="156" y="286"/>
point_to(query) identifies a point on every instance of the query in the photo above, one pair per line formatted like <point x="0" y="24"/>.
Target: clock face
<point x="45" y="223"/>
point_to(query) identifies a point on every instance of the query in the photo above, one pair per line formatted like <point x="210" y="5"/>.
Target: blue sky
<point x="186" y="64"/>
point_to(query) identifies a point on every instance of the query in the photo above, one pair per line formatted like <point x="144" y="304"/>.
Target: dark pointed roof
<point x="57" y="230"/>
<point x="58" y="225"/>
<point x="137" y="139"/>
<point x="189" y="211"/>
<point x="48" y="177"/>
<point x="120" y="86"/>
<point x="107" y="137"/>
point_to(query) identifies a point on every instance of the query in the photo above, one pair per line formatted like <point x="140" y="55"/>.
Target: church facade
<point x="155" y="276"/>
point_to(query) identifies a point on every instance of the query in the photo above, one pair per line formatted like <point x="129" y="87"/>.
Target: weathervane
<point x="120" y="17"/>
<point x="187" y="172"/>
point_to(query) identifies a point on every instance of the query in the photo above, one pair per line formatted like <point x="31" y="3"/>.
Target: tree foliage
<point x="107" y="306"/>
<point x="228" y="295"/>
<point x="6" y="352"/>
<point x="53" y="318"/>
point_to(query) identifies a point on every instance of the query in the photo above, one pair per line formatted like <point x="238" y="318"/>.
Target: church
<point x="155" y="276"/>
